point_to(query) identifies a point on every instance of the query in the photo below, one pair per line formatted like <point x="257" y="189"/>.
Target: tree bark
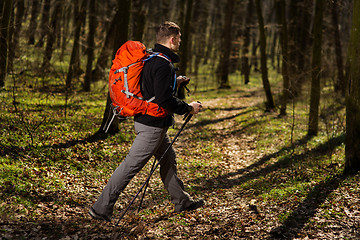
<point x="44" y="26"/>
<point x="185" y="44"/>
<point x="281" y="14"/>
<point x="122" y="19"/>
<point x="106" y="50"/>
<point x="78" y="20"/>
<point x="340" y="81"/>
<point x="33" y="21"/>
<point x="245" y="67"/>
<point x="352" y="141"/>
<point x="264" y="72"/>
<point x="226" y="46"/>
<point x="51" y="36"/>
<point x="300" y="15"/>
<point x="4" y="37"/>
<point x="20" y="9"/>
<point x="91" y="44"/>
<point x="139" y="19"/>
<point x="316" y="70"/>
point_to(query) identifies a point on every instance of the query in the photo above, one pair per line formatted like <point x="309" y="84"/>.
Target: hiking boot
<point x="95" y="215"/>
<point x="195" y="205"/>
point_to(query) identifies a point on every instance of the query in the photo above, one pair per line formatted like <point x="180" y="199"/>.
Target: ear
<point x="172" y="40"/>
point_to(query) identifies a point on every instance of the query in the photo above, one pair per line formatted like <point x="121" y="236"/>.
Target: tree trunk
<point x="91" y="44"/>
<point x="299" y="27"/>
<point x="78" y="20"/>
<point x="122" y="19"/>
<point x="281" y="14"/>
<point x="20" y="9"/>
<point x="138" y="21"/>
<point x="4" y="37"/>
<point x="106" y="50"/>
<point x="226" y="46"/>
<point x="340" y="81"/>
<point x="264" y="72"/>
<point x="352" y="142"/>
<point x="44" y="26"/>
<point x="209" y="31"/>
<point x="51" y="36"/>
<point x="316" y="70"/>
<point x="65" y="29"/>
<point x="33" y="21"/>
<point x="245" y="67"/>
<point x="121" y="36"/>
<point x="185" y="44"/>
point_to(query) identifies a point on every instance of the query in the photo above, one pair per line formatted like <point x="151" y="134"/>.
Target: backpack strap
<point x="159" y="54"/>
<point x="126" y="85"/>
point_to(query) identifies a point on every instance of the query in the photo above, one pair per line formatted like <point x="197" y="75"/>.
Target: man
<point x="158" y="79"/>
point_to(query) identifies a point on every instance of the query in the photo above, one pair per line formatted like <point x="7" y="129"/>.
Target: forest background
<point x="275" y="153"/>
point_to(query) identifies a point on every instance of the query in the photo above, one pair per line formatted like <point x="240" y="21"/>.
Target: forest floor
<point x="260" y="175"/>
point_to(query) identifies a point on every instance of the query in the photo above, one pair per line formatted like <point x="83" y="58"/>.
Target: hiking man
<point x="159" y="80"/>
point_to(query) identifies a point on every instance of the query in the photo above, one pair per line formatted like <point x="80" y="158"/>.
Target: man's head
<point x="168" y="34"/>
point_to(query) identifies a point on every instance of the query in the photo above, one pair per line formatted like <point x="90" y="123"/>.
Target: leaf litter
<point x="221" y="158"/>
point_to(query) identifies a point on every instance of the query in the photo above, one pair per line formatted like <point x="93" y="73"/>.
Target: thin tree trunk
<point x="20" y="9"/>
<point x="264" y="72"/>
<point x="44" y="26"/>
<point x="33" y="22"/>
<point x="316" y="70"/>
<point x="185" y="44"/>
<point x="122" y="19"/>
<point x="281" y="13"/>
<point x="91" y="44"/>
<point x="79" y="18"/>
<point x="65" y="29"/>
<point x="51" y="36"/>
<point x="4" y="37"/>
<point x="340" y="81"/>
<point x="209" y="29"/>
<point x="352" y="142"/>
<point x="139" y="19"/>
<point x="226" y="46"/>
<point x="245" y="53"/>
<point x="106" y="50"/>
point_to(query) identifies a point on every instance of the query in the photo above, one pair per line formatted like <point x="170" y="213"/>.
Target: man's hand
<point x="196" y="107"/>
<point x="182" y="80"/>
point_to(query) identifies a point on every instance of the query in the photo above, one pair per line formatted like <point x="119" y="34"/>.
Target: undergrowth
<point x="51" y="152"/>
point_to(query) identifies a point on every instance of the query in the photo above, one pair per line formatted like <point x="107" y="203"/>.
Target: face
<point x="175" y="43"/>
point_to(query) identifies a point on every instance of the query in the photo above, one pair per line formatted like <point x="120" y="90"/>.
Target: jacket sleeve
<point x="163" y="88"/>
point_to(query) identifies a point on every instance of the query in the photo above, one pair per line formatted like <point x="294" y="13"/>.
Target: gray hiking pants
<point x="148" y="142"/>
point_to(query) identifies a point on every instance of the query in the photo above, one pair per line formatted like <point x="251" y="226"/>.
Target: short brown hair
<point x="166" y="30"/>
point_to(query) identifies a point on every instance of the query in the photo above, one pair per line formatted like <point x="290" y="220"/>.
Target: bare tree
<point x="340" y="82"/>
<point x="20" y="9"/>
<point x="281" y="13"/>
<point x="49" y="49"/>
<point x="91" y="44"/>
<point x="33" y="21"/>
<point x="122" y="19"/>
<point x="4" y="38"/>
<point x="44" y="25"/>
<point x="245" y="67"/>
<point x="226" y="46"/>
<point x="74" y="61"/>
<point x="316" y="69"/>
<point x="184" y="47"/>
<point x="352" y="142"/>
<point x="264" y="71"/>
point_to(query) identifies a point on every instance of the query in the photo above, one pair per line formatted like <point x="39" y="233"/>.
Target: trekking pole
<point x="187" y="119"/>
<point x="147" y="184"/>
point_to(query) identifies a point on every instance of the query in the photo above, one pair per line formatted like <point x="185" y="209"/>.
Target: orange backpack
<point x="124" y="81"/>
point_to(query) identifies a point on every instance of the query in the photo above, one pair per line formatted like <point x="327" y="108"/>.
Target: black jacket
<point x="158" y="78"/>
